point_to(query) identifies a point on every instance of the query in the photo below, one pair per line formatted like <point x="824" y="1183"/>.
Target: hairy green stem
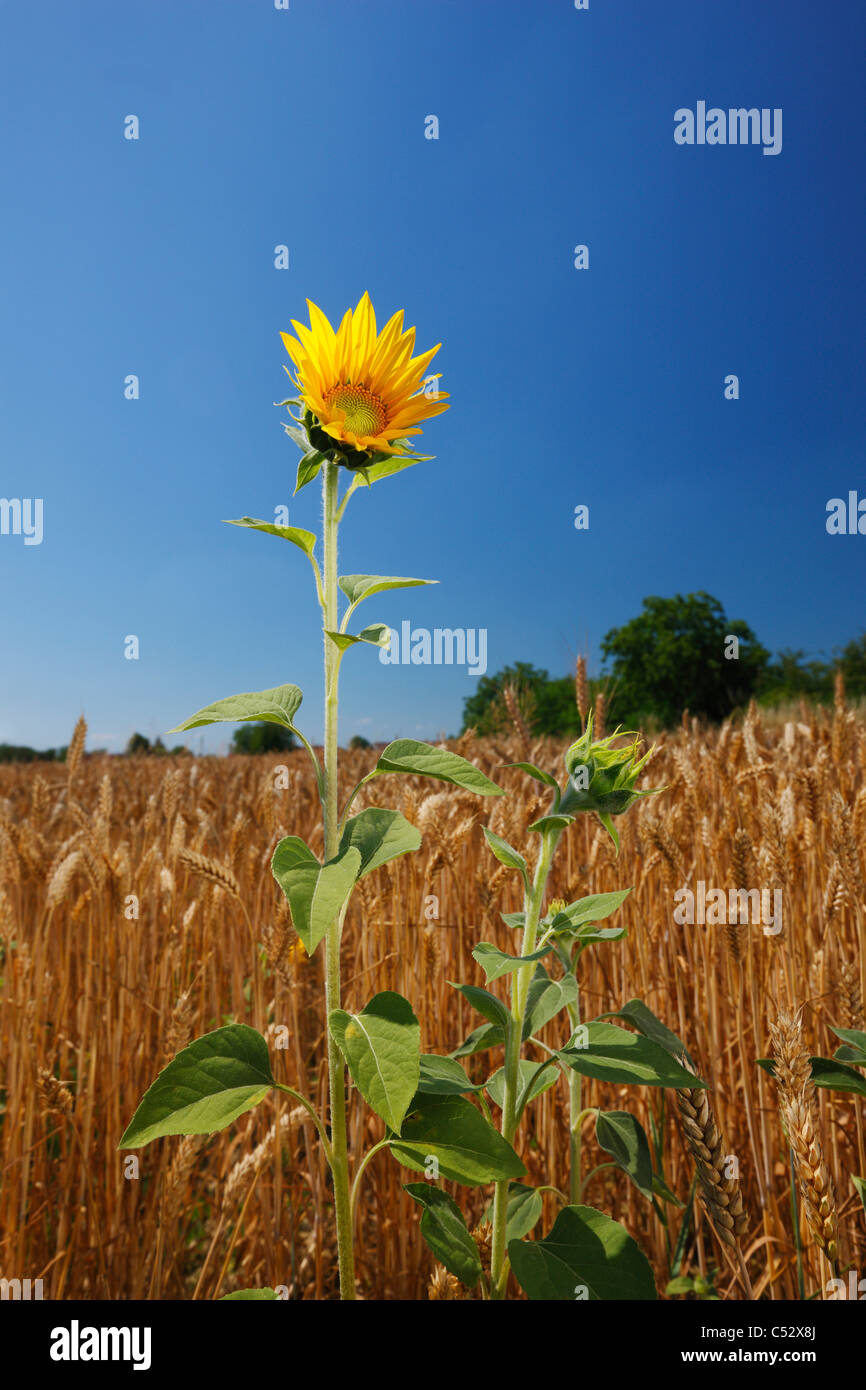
<point x="575" y="1113"/>
<point x="336" y="1069"/>
<point x="520" y="980"/>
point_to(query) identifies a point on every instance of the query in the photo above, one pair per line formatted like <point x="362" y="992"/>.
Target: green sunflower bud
<point x="602" y="778"/>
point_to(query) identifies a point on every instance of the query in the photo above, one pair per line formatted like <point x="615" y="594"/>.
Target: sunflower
<point x="361" y="388"/>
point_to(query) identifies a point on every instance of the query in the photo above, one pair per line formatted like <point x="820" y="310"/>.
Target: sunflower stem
<point x="575" y="1110"/>
<point x="533" y="898"/>
<point x="336" y="1068"/>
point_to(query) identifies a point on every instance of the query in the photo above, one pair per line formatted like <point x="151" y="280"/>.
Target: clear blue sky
<point x="603" y="387"/>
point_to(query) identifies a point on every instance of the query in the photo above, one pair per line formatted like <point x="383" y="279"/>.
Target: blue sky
<point x="603" y="386"/>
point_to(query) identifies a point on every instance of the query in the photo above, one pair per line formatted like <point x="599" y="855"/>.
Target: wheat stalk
<point x="800" y="1120"/>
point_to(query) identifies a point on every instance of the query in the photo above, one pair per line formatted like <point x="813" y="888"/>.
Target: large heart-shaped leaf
<point x="316" y="892"/>
<point x="382" y="1048"/>
<point x="586" y="1255"/>
<point x="409" y="756"/>
<point x="304" y="540"/>
<point x="379" y="835"/>
<point x="276" y="706"/>
<point x="205" y="1087"/>
<point x="467" y="1148"/>
<point x="614" y="1054"/>
<point x="444" y="1230"/>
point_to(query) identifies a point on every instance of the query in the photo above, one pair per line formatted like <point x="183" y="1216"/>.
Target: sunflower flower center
<point x="365" y="413"/>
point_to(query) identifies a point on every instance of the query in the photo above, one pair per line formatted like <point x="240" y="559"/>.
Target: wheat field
<point x="95" y="1000"/>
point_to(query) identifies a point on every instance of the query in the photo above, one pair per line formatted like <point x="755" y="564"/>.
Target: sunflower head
<point x="363" y="393"/>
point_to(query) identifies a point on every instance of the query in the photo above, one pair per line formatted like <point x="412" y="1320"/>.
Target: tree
<point x="852" y="660"/>
<point x="548" y="705"/>
<point x="263" y="737"/>
<point x="677" y="655"/>
<point x="137" y="744"/>
<point x="358" y="741"/>
<point x="790" y="676"/>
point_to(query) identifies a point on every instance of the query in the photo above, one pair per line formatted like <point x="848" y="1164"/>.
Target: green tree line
<point x="680" y="653"/>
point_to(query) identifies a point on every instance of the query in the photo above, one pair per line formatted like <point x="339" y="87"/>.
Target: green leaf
<point x="644" y="1020"/>
<point x="276" y="706"/>
<point x="545" y="998"/>
<point x="308" y="467"/>
<point x="613" y="1054"/>
<point x="682" y="1284"/>
<point x="206" y="1086"/>
<point x="292" y="853"/>
<point x="304" y="540"/>
<point x="591" y="933"/>
<point x="495" y="962"/>
<point x="537" y="772"/>
<point x="422" y="759"/>
<point x="377" y="635"/>
<point x="387" y="467"/>
<point x="506" y="854"/>
<point x="442" y="1076"/>
<point x="481" y="1040"/>
<point x="444" y="1230"/>
<point x="316" y="892"/>
<point x="513" y="919"/>
<point x="585" y="1249"/>
<point x="468" y="1149"/>
<point x="550" y="823"/>
<point x="830" y="1074"/>
<point x="833" y="1076"/>
<point x="357" y="587"/>
<point x="611" y="829"/>
<point x="592" y="909"/>
<point x="661" y="1189"/>
<point x="624" y="1138"/>
<point x="379" y="835"/>
<point x="382" y="1048"/>
<point x="523" y="1212"/>
<point x="860" y="1189"/>
<point x="251" y="1296"/>
<point x="857" y="1040"/>
<point x="534" y="1078"/>
<point x="484" y="1003"/>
